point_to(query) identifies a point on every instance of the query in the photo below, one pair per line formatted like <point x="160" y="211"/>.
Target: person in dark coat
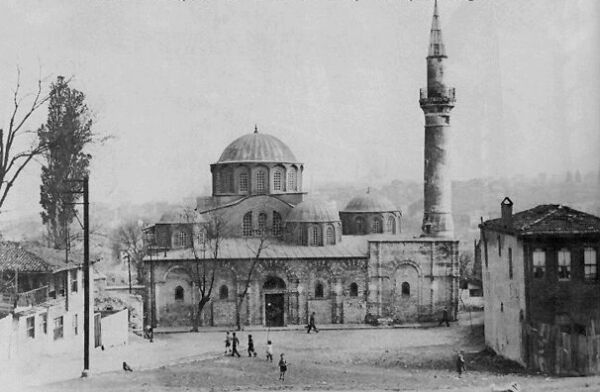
<point x="311" y="323"/>
<point x="445" y="318"/>
<point x="234" y="344"/>
<point x="251" y="351"/>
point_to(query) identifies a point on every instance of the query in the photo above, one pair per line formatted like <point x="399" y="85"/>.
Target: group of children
<point x="232" y="343"/>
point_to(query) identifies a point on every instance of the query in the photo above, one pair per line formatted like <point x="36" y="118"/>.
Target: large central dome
<point x="257" y="147"/>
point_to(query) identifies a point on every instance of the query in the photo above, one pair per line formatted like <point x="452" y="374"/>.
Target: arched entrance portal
<point x="274" y="289"/>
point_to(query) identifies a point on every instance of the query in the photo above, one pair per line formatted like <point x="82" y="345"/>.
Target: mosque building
<point x="345" y="265"/>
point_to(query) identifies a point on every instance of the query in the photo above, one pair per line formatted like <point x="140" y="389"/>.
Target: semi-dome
<point x="370" y="202"/>
<point x="257" y="147"/>
<point x="314" y="210"/>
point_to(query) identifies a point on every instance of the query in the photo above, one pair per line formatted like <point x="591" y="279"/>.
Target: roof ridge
<point x="548" y="214"/>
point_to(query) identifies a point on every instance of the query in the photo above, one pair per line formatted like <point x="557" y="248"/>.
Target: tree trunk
<point x="196" y="318"/>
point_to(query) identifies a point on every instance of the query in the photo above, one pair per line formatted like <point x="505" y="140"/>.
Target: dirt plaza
<point x="396" y="359"/>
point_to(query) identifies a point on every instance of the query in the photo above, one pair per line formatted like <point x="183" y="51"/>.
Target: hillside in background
<point x="472" y="200"/>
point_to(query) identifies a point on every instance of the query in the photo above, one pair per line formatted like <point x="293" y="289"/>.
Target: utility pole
<point x="86" y="271"/>
<point x="86" y="278"/>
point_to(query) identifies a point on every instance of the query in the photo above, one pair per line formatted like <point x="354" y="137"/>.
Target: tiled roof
<point x="31" y="258"/>
<point x="548" y="219"/>
<point x="241" y="248"/>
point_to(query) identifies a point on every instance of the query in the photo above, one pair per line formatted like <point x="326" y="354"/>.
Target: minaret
<point x="437" y="100"/>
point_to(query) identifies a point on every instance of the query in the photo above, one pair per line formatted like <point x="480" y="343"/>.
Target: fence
<point x="553" y="351"/>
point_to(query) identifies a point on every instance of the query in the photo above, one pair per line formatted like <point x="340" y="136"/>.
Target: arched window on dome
<point x="405" y="289"/>
<point x="377" y="226"/>
<point x="277" y="224"/>
<point x="319" y="290"/>
<point x="278" y="180"/>
<point x="217" y="182"/>
<point x="391" y="224"/>
<point x="247" y="224"/>
<point x="360" y="225"/>
<point x="223" y="292"/>
<point x="243" y="182"/>
<point x="227" y="179"/>
<point x="314" y="236"/>
<point x="262" y="223"/>
<point x="330" y="235"/>
<point x="261" y="181"/>
<point x="292" y="179"/>
<point x="353" y="289"/>
<point x="181" y="239"/>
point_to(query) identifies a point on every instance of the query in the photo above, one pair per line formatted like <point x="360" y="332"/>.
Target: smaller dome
<point x="370" y="202"/>
<point x="314" y="210"/>
<point x="180" y="215"/>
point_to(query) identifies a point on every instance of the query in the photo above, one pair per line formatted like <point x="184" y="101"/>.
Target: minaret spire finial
<point x="255" y="128"/>
<point x="436" y="44"/>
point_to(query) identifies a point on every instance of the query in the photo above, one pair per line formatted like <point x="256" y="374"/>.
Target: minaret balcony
<point x="437" y="96"/>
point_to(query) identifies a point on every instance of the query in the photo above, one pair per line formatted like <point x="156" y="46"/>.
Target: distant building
<point x="540" y="274"/>
<point x="342" y="265"/>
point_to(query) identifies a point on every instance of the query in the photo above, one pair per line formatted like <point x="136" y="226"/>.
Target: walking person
<point x="269" y="351"/>
<point x="227" y="343"/>
<point x="445" y="318"/>
<point x="251" y="351"/>
<point x="311" y="323"/>
<point x="234" y="344"/>
<point x="460" y="363"/>
<point x="282" y="367"/>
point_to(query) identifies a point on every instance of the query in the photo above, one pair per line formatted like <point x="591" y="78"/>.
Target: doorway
<point x="274" y="309"/>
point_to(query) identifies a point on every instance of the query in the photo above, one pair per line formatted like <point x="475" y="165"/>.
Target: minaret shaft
<point x="437" y="100"/>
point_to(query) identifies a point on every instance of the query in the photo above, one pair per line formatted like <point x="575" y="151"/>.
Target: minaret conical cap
<point x="436" y="44"/>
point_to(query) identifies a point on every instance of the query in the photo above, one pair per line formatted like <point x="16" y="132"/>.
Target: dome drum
<point x="313" y="223"/>
<point x="256" y="178"/>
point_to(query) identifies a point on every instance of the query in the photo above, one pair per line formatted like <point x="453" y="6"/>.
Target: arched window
<point x="223" y="292"/>
<point x="262" y="223"/>
<point x="291" y="179"/>
<point x="178" y="293"/>
<point x="353" y="289"/>
<point x="247" y="224"/>
<point x="243" y="182"/>
<point x="391" y="225"/>
<point x="277" y="184"/>
<point x="277" y="223"/>
<point x="314" y="236"/>
<point x="330" y="236"/>
<point x="360" y="225"/>
<point x="228" y="180"/>
<point x="377" y="226"/>
<point x="319" y="290"/>
<point x="218" y="184"/>
<point x="181" y="239"/>
<point x="405" y="289"/>
<point x="261" y="184"/>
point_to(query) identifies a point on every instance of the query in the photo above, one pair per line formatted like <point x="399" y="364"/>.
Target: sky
<point x="174" y="82"/>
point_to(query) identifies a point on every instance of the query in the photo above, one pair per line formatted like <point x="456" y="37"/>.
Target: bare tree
<point x="12" y="159"/>
<point x="209" y="236"/>
<point x="128" y="238"/>
<point x="256" y="246"/>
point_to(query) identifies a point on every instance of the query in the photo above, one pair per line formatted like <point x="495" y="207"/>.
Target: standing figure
<point x="234" y="344"/>
<point x="311" y="323"/>
<point x="282" y="367"/>
<point x="227" y="343"/>
<point x="460" y="363"/>
<point x="251" y="351"/>
<point x="445" y="318"/>
<point x="269" y="351"/>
